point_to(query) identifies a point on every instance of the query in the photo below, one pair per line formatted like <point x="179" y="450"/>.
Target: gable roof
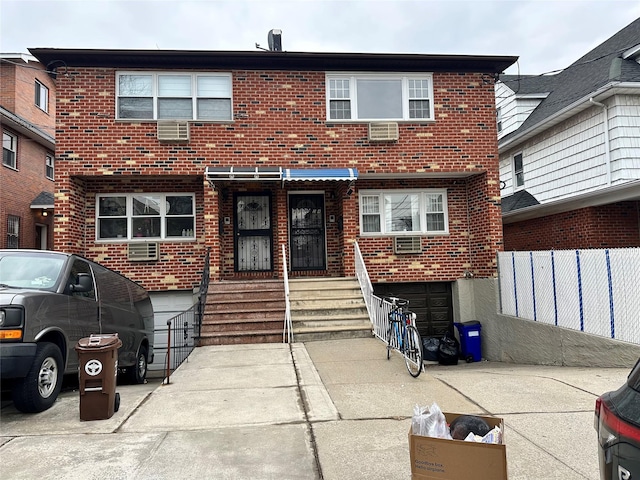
<point x="602" y="67"/>
<point x="520" y="199"/>
<point x="530" y="84"/>
<point x="43" y="200"/>
<point x="240" y="60"/>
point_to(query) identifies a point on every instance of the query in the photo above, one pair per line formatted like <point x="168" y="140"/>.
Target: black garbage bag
<point x="448" y="350"/>
<point x="430" y="347"/>
<point x="465" y="424"/>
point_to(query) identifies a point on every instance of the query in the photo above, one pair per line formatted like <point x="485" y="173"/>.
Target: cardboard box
<point x="440" y="459"/>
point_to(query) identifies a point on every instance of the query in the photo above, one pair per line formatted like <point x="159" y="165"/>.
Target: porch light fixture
<point x="44" y="212"/>
<point x="350" y="189"/>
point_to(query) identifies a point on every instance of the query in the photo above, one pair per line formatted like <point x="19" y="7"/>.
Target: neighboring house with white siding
<point x="569" y="147"/>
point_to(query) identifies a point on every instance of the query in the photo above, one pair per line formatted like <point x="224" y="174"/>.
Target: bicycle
<point x="403" y="336"/>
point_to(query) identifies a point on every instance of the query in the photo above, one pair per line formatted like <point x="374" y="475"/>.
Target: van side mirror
<point x="84" y="283"/>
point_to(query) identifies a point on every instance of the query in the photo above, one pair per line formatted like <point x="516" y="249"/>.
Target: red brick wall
<point x="608" y="226"/>
<point x="281" y="121"/>
<point x="8" y="83"/>
<point x="18" y="93"/>
<point x="21" y="186"/>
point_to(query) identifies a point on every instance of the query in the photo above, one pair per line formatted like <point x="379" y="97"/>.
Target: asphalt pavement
<point x="333" y="410"/>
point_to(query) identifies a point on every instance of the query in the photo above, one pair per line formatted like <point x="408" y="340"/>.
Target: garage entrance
<point x="430" y="301"/>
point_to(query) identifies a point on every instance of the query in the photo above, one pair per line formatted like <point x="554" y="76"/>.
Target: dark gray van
<point x="50" y="300"/>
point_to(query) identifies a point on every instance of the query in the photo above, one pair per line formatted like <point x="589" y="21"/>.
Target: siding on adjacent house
<point x="624" y="126"/>
<point x="506" y="101"/>
<point x="563" y="161"/>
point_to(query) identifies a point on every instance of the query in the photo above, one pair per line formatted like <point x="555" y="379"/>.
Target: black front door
<point x="253" y="233"/>
<point x="307" y="232"/>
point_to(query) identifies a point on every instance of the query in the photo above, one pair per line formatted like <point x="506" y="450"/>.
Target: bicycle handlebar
<point x="396" y="301"/>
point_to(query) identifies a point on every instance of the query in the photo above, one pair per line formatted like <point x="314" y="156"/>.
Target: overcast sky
<point x="547" y="35"/>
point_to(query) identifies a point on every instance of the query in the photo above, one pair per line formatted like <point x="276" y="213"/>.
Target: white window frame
<point x="353" y="78"/>
<point x="518" y="174"/>
<point x="193" y="96"/>
<point x="10" y="145"/>
<point x="423" y="195"/>
<point x="41" y="96"/>
<point x="49" y="167"/>
<point x="499" y="119"/>
<point x="133" y="220"/>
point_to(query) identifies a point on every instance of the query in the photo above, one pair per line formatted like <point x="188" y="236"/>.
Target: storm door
<point x="307" y="232"/>
<point x="253" y="233"/>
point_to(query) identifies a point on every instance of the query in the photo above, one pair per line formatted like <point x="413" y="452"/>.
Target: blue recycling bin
<point x="470" y="346"/>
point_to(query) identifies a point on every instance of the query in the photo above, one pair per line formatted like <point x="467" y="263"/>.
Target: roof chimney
<point x="275" y="40"/>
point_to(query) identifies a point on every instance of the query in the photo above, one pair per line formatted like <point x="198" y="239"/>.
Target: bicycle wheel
<point x="389" y="340"/>
<point x="413" y="351"/>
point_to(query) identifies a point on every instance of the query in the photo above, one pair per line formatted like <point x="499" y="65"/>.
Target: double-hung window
<point x="174" y="96"/>
<point x="9" y="148"/>
<point x="49" y="161"/>
<point x="518" y="171"/>
<point x="398" y="212"/>
<point x="143" y="216"/>
<point x="369" y="97"/>
<point x="41" y="96"/>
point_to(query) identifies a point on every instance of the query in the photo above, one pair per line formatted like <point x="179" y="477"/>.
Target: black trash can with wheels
<point x="98" y="356"/>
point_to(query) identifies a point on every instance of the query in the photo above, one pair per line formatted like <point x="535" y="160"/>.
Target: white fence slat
<point x="545" y="295"/>
<point x="507" y="296"/>
<point x="567" y="289"/>
<point x="592" y="290"/>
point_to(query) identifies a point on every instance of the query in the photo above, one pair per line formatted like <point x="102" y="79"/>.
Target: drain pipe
<point x="607" y="147"/>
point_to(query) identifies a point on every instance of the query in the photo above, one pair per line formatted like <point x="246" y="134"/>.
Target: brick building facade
<point x="439" y="177"/>
<point x="607" y="226"/>
<point x="27" y="113"/>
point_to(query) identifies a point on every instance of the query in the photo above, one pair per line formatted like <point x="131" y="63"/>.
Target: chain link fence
<point x="593" y="291"/>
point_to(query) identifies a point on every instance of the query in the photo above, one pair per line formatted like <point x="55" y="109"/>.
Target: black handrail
<point x="186" y="326"/>
<point x="202" y="292"/>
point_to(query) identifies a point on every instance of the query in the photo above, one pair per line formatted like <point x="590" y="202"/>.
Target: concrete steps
<point x="253" y="311"/>
<point x="327" y="309"/>
<point x="243" y="312"/>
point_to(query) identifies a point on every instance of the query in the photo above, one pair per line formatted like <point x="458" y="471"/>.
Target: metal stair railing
<point x="287" y="332"/>
<point x="377" y="308"/>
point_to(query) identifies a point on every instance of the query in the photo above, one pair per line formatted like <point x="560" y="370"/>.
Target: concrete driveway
<point x="331" y="410"/>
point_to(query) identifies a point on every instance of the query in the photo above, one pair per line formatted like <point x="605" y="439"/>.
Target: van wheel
<point x="138" y="372"/>
<point x="39" y="389"/>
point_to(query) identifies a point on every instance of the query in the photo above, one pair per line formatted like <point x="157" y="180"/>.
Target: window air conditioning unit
<point x="173" y="131"/>
<point x="383" y="132"/>
<point x="143" y="252"/>
<point x="407" y="245"/>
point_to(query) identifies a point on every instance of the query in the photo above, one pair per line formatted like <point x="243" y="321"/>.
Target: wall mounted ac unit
<point x="407" y="245"/>
<point x="383" y="132"/>
<point x="173" y="131"/>
<point x="143" y="252"/>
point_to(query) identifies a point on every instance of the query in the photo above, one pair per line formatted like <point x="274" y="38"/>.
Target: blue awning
<point x="319" y="174"/>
